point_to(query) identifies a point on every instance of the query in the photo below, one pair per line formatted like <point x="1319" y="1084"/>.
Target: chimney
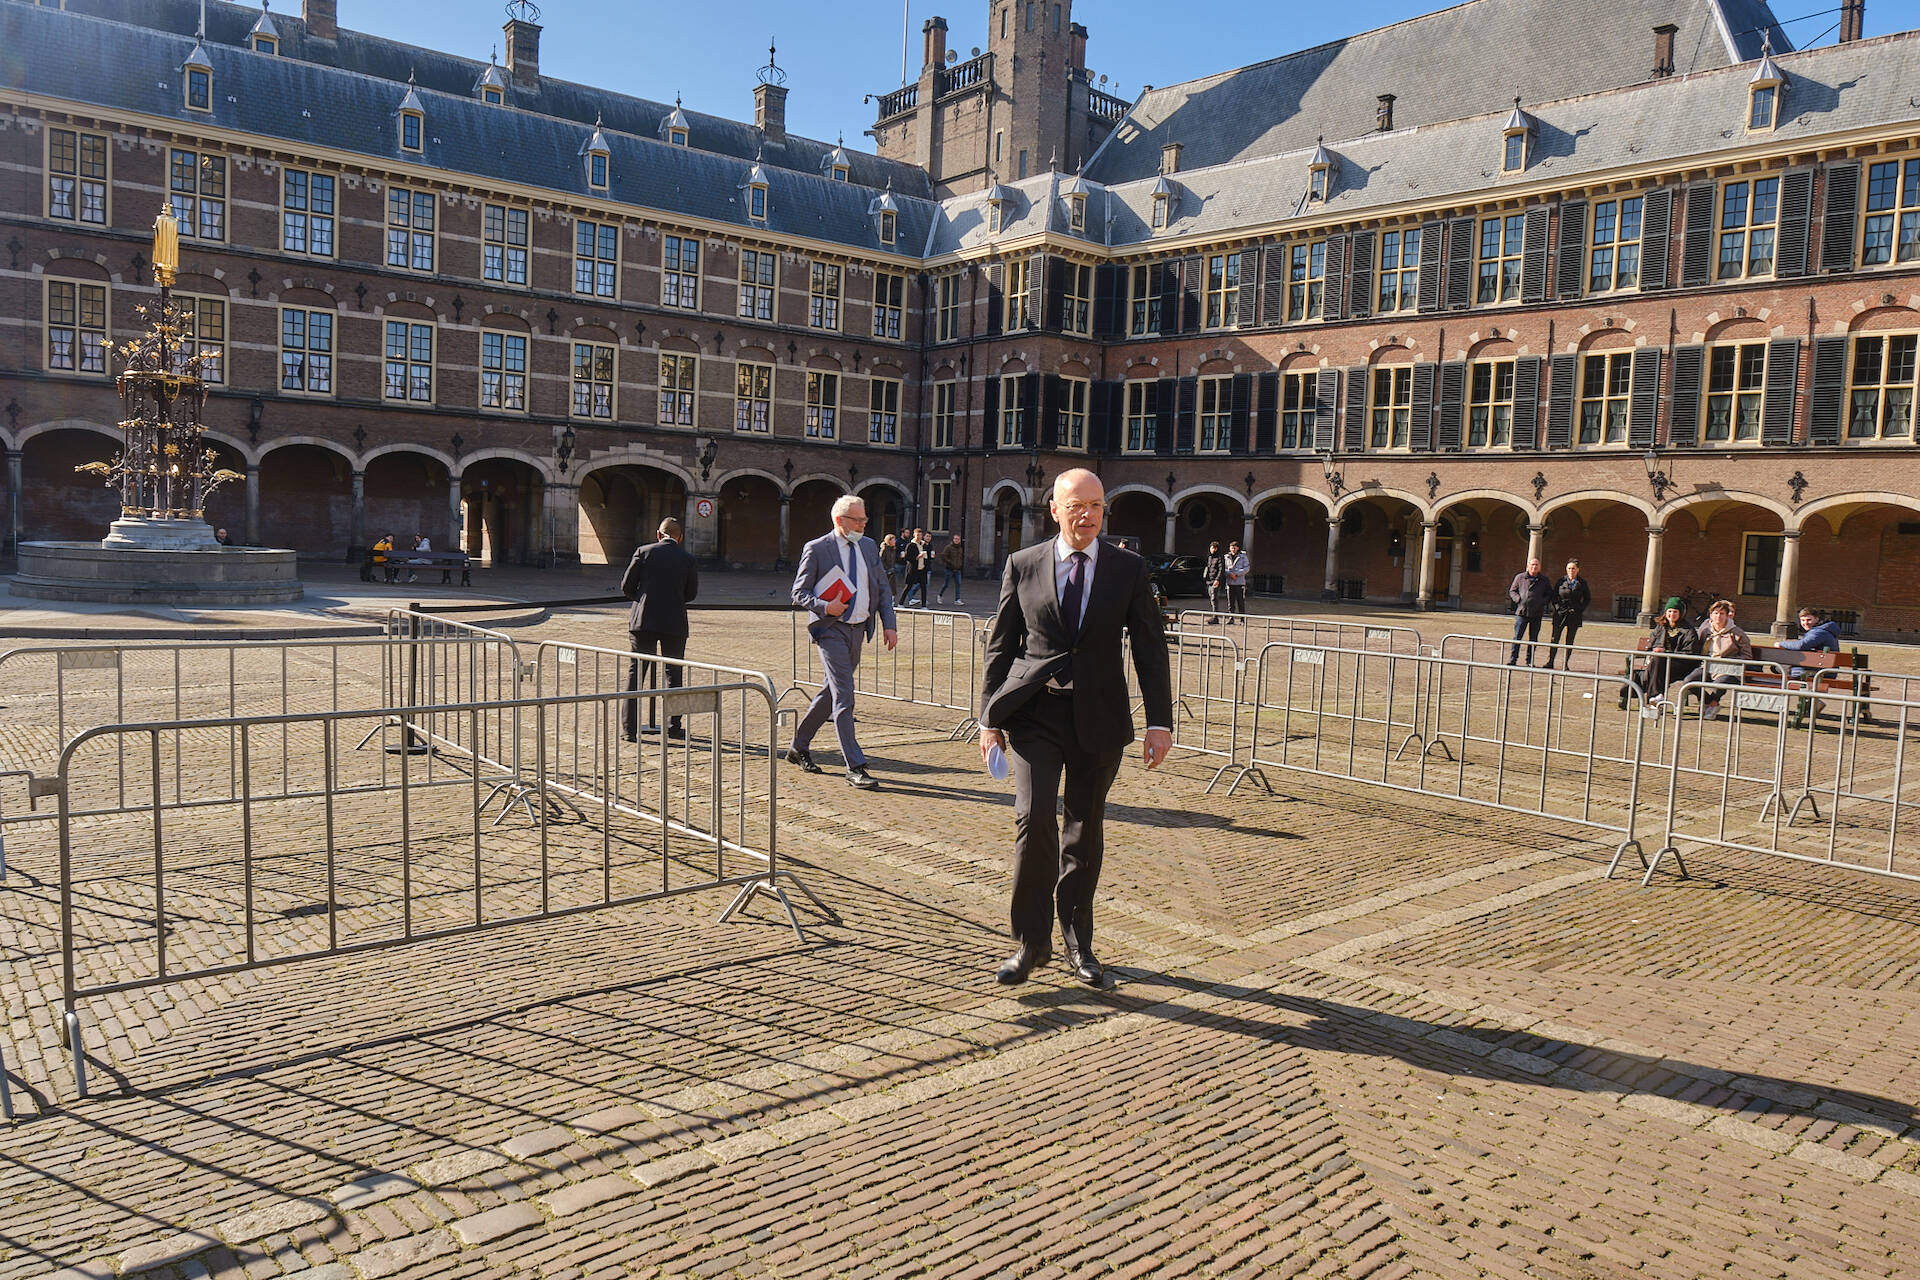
<point x="322" y="18"/>
<point x="1663" y="50"/>
<point x="1383" y="115"/>
<point x="933" y="35"/>
<point x="1077" y="49"/>
<point x="523" y="53"/>
<point x="1170" y="158"/>
<point x="1853" y="20"/>
<point x="770" y="110"/>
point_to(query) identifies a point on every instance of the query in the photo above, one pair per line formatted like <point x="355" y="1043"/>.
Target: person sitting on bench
<point x="1671" y="650"/>
<point x="1721" y="641"/>
<point x="1818" y="634"/>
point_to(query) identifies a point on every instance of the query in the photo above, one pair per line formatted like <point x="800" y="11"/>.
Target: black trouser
<point x="1531" y="628"/>
<point x="366" y="568"/>
<point x="1569" y="625"/>
<point x="1237" y="598"/>
<point x="652" y="642"/>
<point x="1666" y="670"/>
<point x="1216" y="592"/>
<point x="1056" y="869"/>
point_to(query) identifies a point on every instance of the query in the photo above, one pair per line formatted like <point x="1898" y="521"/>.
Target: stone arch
<point x="1609" y="339"/>
<point x="319" y="442"/>
<point x="503" y="498"/>
<point x="1419" y="504"/>
<point x="1719" y="497"/>
<point x="741" y="473"/>
<point x="810" y="506"/>
<point x="619" y="506"/>
<point x="1820" y="506"/>
<point x="1736" y="329"/>
<point x="1314" y="496"/>
<point x="64" y="424"/>
<point x="406" y="490"/>
<point x="305" y="488"/>
<point x="1882" y="318"/>
<point x="444" y="459"/>
<point x="1239" y="499"/>
<point x="1559" y="501"/>
<point x="541" y="465"/>
<point x="888" y="505"/>
<point x="992" y="495"/>
<point x="57" y="503"/>
<point x="749" y="525"/>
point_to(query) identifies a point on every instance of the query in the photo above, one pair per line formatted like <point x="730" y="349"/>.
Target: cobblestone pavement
<point x="1354" y="1033"/>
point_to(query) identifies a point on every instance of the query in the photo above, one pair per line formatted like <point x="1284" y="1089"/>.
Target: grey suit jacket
<point x="819" y="558"/>
<point x="660" y="580"/>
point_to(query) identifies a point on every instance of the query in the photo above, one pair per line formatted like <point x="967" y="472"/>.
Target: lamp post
<point x="1336" y="479"/>
<point x="1656" y="475"/>
<point x="709" y="450"/>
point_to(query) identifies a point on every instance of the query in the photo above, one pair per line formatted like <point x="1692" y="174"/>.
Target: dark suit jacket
<point x="660" y="581"/>
<point x="1029" y="644"/>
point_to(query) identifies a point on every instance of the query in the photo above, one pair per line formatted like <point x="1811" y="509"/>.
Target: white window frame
<point x="1013" y="295"/>
<point x="1880" y="399"/>
<point x="947" y="306"/>
<point x="211" y="348"/>
<point x="759" y="285"/>
<point x="753" y="398"/>
<point x="1142" y="424"/>
<point x="412" y="374"/>
<point x="883" y="411"/>
<point x="502" y="257"/>
<point x="199" y="204"/>
<point x="1614" y="228"/>
<point x="946" y="396"/>
<point x="308" y="369"/>
<point x="1899" y="212"/>
<point x="1143" y="301"/>
<point x="889" y="303"/>
<point x="197" y="82"/>
<point x="1498" y="266"/>
<point x="680" y="272"/>
<point x="594" y="397"/>
<point x="822" y="405"/>
<point x="84" y="343"/>
<point x="1390" y="416"/>
<point x="1299" y="406"/>
<point x="940" y="506"/>
<point x="1397" y="287"/>
<point x="409" y="247"/>
<point x="1071" y="430"/>
<point x="1739" y="402"/>
<point x="596" y="275"/>
<point x="1013" y="410"/>
<point x="87" y="196"/>
<point x="1489" y="408"/>
<point x="679" y="389"/>
<point x="1306" y="281"/>
<point x="1221" y="306"/>
<point x="1213" y="418"/>
<point x="503" y="387"/>
<point x="1751" y="231"/>
<point x="1608" y="410"/>
<point x="417" y="122"/>
<point x="299" y="212"/>
<point x="1076" y="305"/>
<point x="826" y="285"/>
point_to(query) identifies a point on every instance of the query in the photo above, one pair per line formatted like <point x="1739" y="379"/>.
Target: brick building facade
<point x="1356" y="305"/>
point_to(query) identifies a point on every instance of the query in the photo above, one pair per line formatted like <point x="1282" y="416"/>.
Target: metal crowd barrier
<point x="266" y="879"/>
<point x="1207" y="671"/>
<point x="1260" y="629"/>
<point x="936" y="664"/>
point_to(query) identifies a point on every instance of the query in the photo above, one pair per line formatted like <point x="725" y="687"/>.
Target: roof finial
<point x="1766" y="44"/>
<point x="771" y="74"/>
<point x="596" y="119"/>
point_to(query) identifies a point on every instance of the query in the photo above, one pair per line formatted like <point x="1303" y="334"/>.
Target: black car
<point x="1177" y="576"/>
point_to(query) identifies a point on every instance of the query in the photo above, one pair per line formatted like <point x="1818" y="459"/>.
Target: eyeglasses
<point x="1073" y="509"/>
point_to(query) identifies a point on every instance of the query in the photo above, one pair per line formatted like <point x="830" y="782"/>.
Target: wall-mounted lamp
<point x="709" y="450"/>
<point x="1335" y="477"/>
<point x="255" y="412"/>
<point x="563" y="449"/>
<point x="1656" y="475"/>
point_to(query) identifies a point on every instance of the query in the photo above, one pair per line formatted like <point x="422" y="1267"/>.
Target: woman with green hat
<point x="1673" y="654"/>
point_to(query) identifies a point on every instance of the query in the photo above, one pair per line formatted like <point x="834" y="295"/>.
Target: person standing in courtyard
<point x="1571" y="596"/>
<point x="953" y="564"/>
<point x="1054" y="699"/>
<point x="1531" y="595"/>
<point x="661" y="580"/>
<point x="889" y="555"/>
<point x="919" y="560"/>
<point x="1239" y="568"/>
<point x="1213" y="576"/>
<point x="841" y="584"/>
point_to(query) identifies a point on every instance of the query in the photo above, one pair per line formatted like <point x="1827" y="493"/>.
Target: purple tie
<point x="1070" y="598"/>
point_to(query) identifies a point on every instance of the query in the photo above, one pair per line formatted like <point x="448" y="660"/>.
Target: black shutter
<point x="1643" y="403"/>
<point x="1036" y="290"/>
<point x="1333" y="285"/>
<point x="1266" y="418"/>
<point x="1526" y="402"/>
<point x="1184" y="424"/>
<point x="1242" y="412"/>
<point x="1796" y="212"/>
<point x="1683" y="418"/>
<point x="1353" y="436"/>
<point x="1030" y="410"/>
<point x="1696" y="244"/>
<point x="1533" y="257"/>
<point x="1052" y="392"/>
<point x="1429" y="266"/>
<point x="1460" y="264"/>
<point x="1163" y="399"/>
<point x="990" y="407"/>
<point x="1570" y="269"/>
<point x="996" y="295"/>
<point x="1420" y="432"/>
<point x="1360" y="276"/>
<point x="1249" y="303"/>
<point x="1273" y="285"/>
<point x="1842" y="206"/>
<point x="1656" y="224"/>
<point x="1782" y="393"/>
<point x="1453" y="395"/>
<point x="1829" y="397"/>
<point x="1057" y="269"/>
<point x="1560" y="401"/>
<point x="1099" y="418"/>
<point x="1193" y="282"/>
<point x="1326" y="398"/>
<point x="1109" y="299"/>
<point x="1169" y="296"/>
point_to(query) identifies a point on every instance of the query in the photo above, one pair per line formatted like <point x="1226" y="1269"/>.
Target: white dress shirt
<point x="849" y="552"/>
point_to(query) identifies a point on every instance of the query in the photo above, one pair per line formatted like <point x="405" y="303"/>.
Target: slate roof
<point x="118" y="67"/>
<point x="1830" y="90"/>
<point x="1463" y="61"/>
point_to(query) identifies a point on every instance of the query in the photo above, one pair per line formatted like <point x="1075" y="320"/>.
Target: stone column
<point x="456" y="519"/>
<point x="357" y="518"/>
<point x="786" y="524"/>
<point x="1456" y="577"/>
<point x="13" y="500"/>
<point x="1032" y="521"/>
<point x="703" y="532"/>
<point x="1409" y="571"/>
<point x="563" y="506"/>
<point x="1172" y="515"/>
<point x="253" y="504"/>
<point x="1784" y="620"/>
<point x="986" y="531"/>
<point x="1537" y="544"/>
<point x="1331" y="591"/>
<point x="1650" y="580"/>
<point x="1429" y="550"/>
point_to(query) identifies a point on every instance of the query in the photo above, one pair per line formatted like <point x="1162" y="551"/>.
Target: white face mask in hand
<point x="997" y="766"/>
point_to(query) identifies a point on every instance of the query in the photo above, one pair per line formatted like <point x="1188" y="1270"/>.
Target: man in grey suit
<point x="839" y="629"/>
<point x="660" y="580"/>
<point x="1055" y="700"/>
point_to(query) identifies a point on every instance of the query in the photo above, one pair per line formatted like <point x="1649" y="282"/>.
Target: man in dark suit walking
<point x="840" y="582"/>
<point x="661" y="581"/>
<point x="1055" y="699"/>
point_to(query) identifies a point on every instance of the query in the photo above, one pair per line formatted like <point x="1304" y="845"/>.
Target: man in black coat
<point x="1531" y="594"/>
<point x="1571" y="596"/>
<point x="1055" y="700"/>
<point x="661" y="581"/>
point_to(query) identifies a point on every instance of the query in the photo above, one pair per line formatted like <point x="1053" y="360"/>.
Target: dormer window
<point x="674" y="128"/>
<point x="266" y="44"/>
<point x="993" y="217"/>
<point x="677" y="137"/>
<point x="1164" y="195"/>
<point x="199" y="80"/>
<point x="1320" y="170"/>
<point x="839" y="173"/>
<point x="492" y="97"/>
<point x="1764" y="92"/>
<point x="997" y="200"/>
<point x="599" y="158"/>
<point x="837" y="164"/>
<point x="1159" y="212"/>
<point x="756" y="188"/>
<point x="885" y="211"/>
<point x="887" y="224"/>
<point x="265" y="37"/>
<point x="413" y="120"/>
<point x="1517" y="140"/>
<point x="1077" y="212"/>
<point x="491" y="87"/>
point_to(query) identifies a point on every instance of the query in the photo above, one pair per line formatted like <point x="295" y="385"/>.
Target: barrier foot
<point x="965" y="730"/>
<point x="375" y="732"/>
<point x="1440" y="745"/>
<point x="1250" y="771"/>
<point x="770" y="886"/>
<point x="78" y="1050"/>
<point x="522" y="794"/>
<point x="1654" y="866"/>
<point x="1774" y="801"/>
<point x="6" y="1094"/>
<point x="1408" y="741"/>
<point x="1240" y="772"/>
<point x="1806" y="798"/>
<point x="1621" y="852"/>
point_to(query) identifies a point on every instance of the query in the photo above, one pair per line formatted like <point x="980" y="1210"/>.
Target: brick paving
<point x="1355" y="1033"/>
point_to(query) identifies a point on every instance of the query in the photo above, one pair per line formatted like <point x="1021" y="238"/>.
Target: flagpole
<point x="906" y="25"/>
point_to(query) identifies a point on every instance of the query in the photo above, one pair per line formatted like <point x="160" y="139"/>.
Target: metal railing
<point x="892" y="104"/>
<point x="1260" y="629"/>
<point x="316" y="850"/>
<point x="935" y="664"/>
<point x="966" y="75"/>
<point x="1207" y="673"/>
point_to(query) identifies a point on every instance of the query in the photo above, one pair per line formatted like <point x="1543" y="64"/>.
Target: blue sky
<point x="835" y="53"/>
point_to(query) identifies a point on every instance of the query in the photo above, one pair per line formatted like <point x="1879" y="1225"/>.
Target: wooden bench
<point x="445" y="561"/>
<point x="1822" y="671"/>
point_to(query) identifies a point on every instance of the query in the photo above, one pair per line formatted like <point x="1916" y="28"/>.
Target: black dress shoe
<point x="1014" y="969"/>
<point x="675" y="731"/>
<point x="1086" y="968"/>
<point x="857" y="776"/>
<point x="628" y="737"/>
<point x="804" y="758"/>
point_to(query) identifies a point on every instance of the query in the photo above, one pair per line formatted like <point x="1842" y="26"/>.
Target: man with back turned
<point x="1055" y="700"/>
<point x="661" y="580"/>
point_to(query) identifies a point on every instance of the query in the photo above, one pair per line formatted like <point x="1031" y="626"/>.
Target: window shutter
<point x="1354" y="437"/>
<point x="1828" y="399"/>
<point x="1242" y="393"/>
<point x="1036" y="289"/>
<point x="1273" y="284"/>
<point x="1778" y="402"/>
<point x="1643" y="403"/>
<point x="996" y="296"/>
<point x="1683" y="418"/>
<point x="1656" y="224"/>
<point x="1696" y="245"/>
<point x="1099" y="424"/>
<point x="1796" y="212"/>
<point x="1192" y="282"/>
<point x="1570" y="267"/>
<point x="1460" y="264"/>
<point x="1249" y="303"/>
<point x="1030" y="403"/>
<point x="1184" y="425"/>
<point x="1109" y="300"/>
<point x="1360" y="276"/>
<point x="1429" y="266"/>
<point x="1169" y="296"/>
<point x="1163" y="399"/>
<point x="1056" y="294"/>
<point x="1266" y="418"/>
<point x="990" y="406"/>
<point x="1333" y="291"/>
<point x="1533" y="256"/>
<point x="1453" y="394"/>
<point x="1560" y="401"/>
<point x="1050" y="395"/>
<point x="1526" y="402"/>
<point x="1326" y="398"/>
<point x="1420" y="431"/>
<point x="1842" y="206"/>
